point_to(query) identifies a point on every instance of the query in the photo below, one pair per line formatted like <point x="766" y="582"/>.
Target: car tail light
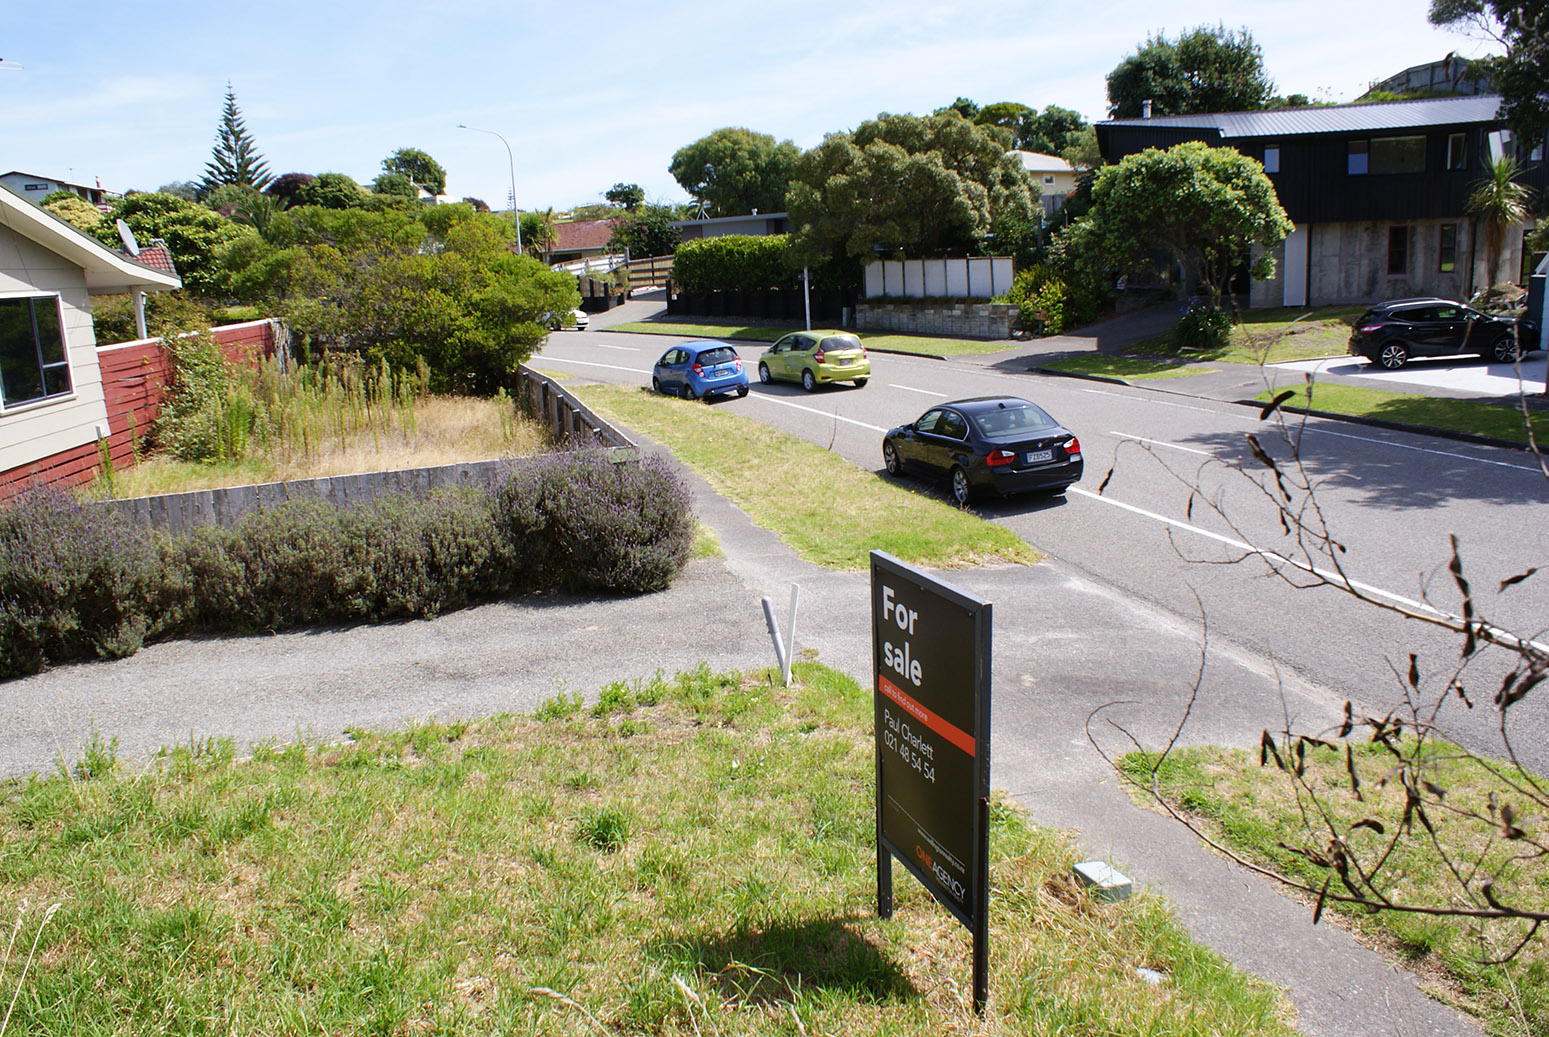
<point x="863" y="353"/>
<point x="817" y="358"/>
<point x="1000" y="457"/>
<point x="1073" y="447"/>
<point x="699" y="370"/>
<point x="738" y="362"/>
<point x="1369" y="329"/>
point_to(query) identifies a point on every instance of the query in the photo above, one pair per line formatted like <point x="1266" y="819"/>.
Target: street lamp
<point x="516" y="216"/>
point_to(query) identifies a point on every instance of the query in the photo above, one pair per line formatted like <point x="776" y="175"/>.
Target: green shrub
<point x="1050" y="302"/>
<point x="75" y="583"/>
<point x="733" y="262"/>
<point x="1204" y="327"/>
<point x="210" y="414"/>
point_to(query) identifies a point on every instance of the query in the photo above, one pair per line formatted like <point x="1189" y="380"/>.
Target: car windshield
<point x="723" y="355"/>
<point x="1011" y="421"/>
<point x="838" y="342"/>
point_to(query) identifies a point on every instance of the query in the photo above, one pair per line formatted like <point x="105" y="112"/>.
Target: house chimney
<point x="1145" y="108"/>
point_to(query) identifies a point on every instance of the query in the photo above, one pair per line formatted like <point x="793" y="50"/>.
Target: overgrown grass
<point x="1438" y="412"/>
<point x="830" y="511"/>
<point x="1105" y="365"/>
<point x="1269" y="336"/>
<point x="921" y="345"/>
<point x="445" y="430"/>
<point x="662" y="862"/>
<point x="1256" y="810"/>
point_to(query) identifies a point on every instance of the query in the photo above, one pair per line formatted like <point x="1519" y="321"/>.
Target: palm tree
<point x="1502" y="203"/>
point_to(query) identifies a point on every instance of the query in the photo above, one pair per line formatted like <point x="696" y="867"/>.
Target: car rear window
<point x="722" y="355"/>
<point x="834" y="342"/>
<point x="1012" y="421"/>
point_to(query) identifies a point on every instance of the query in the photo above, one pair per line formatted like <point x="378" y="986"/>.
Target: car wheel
<point x="961" y="491"/>
<point x="890" y="459"/>
<point x="1505" y="350"/>
<point x="861" y="382"/>
<point x="742" y="390"/>
<point x="763" y="373"/>
<point x="656" y="384"/>
<point x="808" y="382"/>
<point x="1393" y="356"/>
<point x="688" y="392"/>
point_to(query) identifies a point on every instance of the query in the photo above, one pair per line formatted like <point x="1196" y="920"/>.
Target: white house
<point x="51" y="395"/>
<point x="35" y="188"/>
<point x="1055" y="177"/>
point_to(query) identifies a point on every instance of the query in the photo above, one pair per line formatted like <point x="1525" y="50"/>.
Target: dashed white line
<point x="813" y="410"/>
<point x="622" y="349"/>
<point x="1420" y="449"/>
<point x="1166" y="403"/>
<point x="541" y="359"/>
<point x="1161" y="442"/>
<point x="910" y="388"/>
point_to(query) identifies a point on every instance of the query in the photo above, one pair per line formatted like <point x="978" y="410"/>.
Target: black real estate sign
<point x="931" y="647"/>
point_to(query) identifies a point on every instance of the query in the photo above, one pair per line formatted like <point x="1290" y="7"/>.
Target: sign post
<point x="931" y="648"/>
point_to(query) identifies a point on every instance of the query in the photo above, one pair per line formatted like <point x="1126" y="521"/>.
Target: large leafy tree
<point x="193" y="234"/>
<point x="1521" y="75"/>
<point x="235" y="158"/>
<point x="916" y="184"/>
<point x="420" y="169"/>
<point x="648" y="231"/>
<point x="734" y="171"/>
<point x="630" y="196"/>
<point x="74" y="210"/>
<point x="1049" y="132"/>
<point x="1204" y="70"/>
<point x="1208" y="206"/>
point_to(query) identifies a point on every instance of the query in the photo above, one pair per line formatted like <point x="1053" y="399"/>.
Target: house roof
<point x="1339" y="118"/>
<point x="106" y="270"/>
<point x="1038" y="162"/>
<point x="715" y="221"/>
<point x="580" y="235"/>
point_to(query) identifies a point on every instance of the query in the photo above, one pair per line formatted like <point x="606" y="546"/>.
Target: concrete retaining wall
<point x="960" y="320"/>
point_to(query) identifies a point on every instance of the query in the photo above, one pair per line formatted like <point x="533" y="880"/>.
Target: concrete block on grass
<point x="1105" y="883"/>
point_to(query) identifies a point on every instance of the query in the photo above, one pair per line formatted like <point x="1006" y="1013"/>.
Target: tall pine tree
<point x="235" y="158"/>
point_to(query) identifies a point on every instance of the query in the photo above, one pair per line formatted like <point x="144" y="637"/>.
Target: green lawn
<point x="830" y="511"/>
<point x="1270" y="336"/>
<point x="925" y="345"/>
<point x="692" y="855"/>
<point x="1439" y="412"/>
<point x="1261" y="812"/>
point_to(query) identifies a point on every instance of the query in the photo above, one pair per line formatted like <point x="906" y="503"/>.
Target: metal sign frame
<point x="931" y="652"/>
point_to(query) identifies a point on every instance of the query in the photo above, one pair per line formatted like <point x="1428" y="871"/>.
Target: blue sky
<point x="592" y="94"/>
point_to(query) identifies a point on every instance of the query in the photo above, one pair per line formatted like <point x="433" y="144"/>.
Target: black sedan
<point x="1394" y="332"/>
<point x="996" y="444"/>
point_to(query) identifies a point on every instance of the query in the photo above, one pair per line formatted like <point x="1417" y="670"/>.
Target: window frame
<point x="1271" y="162"/>
<point x="1447" y="251"/>
<point x="1457" y="151"/>
<point x="1398" y="246"/>
<point x="44" y="367"/>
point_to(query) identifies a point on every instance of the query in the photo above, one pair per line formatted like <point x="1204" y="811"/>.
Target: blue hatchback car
<point x="700" y="369"/>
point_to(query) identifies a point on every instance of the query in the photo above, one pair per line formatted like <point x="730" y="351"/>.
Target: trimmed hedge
<point x="79" y="582"/>
<point x="733" y="263"/>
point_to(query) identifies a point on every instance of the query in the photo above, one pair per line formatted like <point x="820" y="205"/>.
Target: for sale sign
<point x="931" y="645"/>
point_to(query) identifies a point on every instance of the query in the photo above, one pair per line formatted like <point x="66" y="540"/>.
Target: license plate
<point x="1034" y="456"/>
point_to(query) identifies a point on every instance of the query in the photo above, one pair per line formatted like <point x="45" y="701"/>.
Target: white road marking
<point x="622" y="349"/>
<point x="1420" y="449"/>
<point x="540" y="358"/>
<point x="1159" y="442"/>
<point x="910" y="388"/>
<point x="1165" y="403"/>
<point x="813" y="410"/>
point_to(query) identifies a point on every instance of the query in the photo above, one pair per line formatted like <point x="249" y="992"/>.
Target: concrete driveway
<point x="1460" y="375"/>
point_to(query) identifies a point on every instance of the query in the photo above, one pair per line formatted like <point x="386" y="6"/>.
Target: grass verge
<point x="1438" y="412"/>
<point x="832" y="512"/>
<point x="920" y="345"/>
<point x="664" y="862"/>
<point x="1104" y="365"/>
<point x="1256" y="809"/>
<point x="1269" y="336"/>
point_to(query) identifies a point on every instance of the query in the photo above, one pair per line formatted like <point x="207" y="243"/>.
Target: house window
<point x="33" y="363"/>
<point x="1457" y="151"/>
<point x="1272" y="159"/>
<point x="1383" y="155"/>
<point x="1398" y="250"/>
<point x="1447" y="249"/>
<point x="1049" y="180"/>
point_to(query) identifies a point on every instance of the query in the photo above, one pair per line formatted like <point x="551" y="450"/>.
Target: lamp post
<point x="516" y="216"/>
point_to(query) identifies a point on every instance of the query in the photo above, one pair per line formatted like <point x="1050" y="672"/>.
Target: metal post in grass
<point x="785" y="648"/>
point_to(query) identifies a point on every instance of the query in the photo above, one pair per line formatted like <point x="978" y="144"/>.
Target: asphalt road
<point x="1186" y="507"/>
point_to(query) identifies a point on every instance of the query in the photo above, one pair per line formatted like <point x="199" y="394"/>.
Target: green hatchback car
<point x="814" y="358"/>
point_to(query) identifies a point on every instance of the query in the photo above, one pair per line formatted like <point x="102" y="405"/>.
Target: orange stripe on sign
<point x="956" y="735"/>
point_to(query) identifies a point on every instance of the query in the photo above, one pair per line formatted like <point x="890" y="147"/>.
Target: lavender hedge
<point x="78" y="582"/>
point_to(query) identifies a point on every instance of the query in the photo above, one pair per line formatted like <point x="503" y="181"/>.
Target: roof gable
<point x="582" y="234"/>
<point x="1340" y="118"/>
<point x="106" y="270"/>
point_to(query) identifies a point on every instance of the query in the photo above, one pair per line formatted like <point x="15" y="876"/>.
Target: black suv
<point x="1391" y="333"/>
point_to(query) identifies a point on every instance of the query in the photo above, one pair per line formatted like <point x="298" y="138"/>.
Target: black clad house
<point x="1378" y="192"/>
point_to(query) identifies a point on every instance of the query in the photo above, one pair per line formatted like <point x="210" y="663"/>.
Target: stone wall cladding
<point x="957" y="320"/>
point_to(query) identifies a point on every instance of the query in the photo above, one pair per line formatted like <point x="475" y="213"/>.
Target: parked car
<point x="1393" y="333"/>
<point x="700" y="369"/>
<point x="815" y="358"/>
<point x="574" y="320"/>
<point x="996" y="444"/>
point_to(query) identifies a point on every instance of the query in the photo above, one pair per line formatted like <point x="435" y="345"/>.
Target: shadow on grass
<point x="768" y="965"/>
